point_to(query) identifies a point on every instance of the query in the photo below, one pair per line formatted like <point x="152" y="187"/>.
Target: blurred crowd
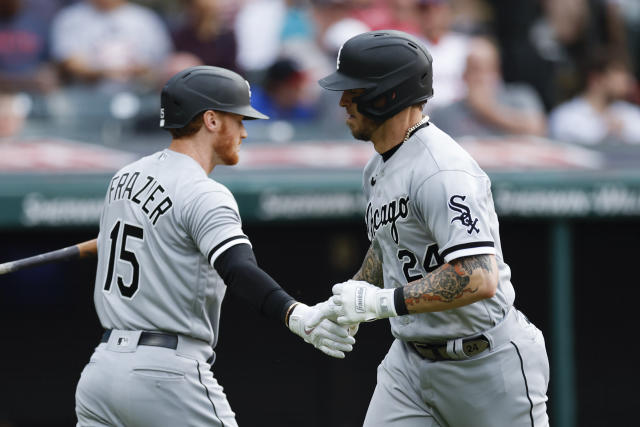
<point x="562" y="69"/>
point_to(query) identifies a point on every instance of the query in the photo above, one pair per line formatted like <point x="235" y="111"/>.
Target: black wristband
<point x="398" y="300"/>
<point x="289" y="310"/>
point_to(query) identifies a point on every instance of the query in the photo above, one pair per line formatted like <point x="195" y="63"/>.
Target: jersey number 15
<point x="128" y="230"/>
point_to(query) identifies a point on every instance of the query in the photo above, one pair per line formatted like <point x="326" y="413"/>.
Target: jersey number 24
<point x="432" y="260"/>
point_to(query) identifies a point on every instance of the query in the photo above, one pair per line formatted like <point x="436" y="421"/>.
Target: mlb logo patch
<point x="123" y="341"/>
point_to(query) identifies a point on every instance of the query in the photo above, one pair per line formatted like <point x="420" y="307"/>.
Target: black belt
<point x="154" y="339"/>
<point x="438" y="352"/>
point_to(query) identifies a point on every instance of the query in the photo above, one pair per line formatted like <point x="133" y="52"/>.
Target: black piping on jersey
<point x="390" y="152"/>
<point x="424" y="125"/>
<point x="224" y="242"/>
<point x="208" y="396"/>
<point x="447" y="251"/>
<point x="526" y="384"/>
<point x="387" y="154"/>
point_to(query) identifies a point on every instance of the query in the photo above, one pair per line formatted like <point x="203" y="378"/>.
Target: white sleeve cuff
<point x="226" y="244"/>
<point x="468" y="249"/>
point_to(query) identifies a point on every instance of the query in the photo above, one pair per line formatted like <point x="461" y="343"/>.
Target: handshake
<point x="330" y="325"/>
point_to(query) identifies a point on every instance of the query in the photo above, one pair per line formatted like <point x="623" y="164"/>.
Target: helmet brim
<point x="341" y="81"/>
<point x="254" y="114"/>
<point x="248" y="112"/>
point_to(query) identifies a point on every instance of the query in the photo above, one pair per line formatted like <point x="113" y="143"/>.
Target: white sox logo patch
<point x="465" y="217"/>
<point x="387" y="214"/>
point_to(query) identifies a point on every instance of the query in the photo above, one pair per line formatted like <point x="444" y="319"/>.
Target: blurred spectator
<point x="630" y="11"/>
<point x="309" y="31"/>
<point x="258" y="28"/>
<point x="14" y="109"/>
<point x="110" y="44"/>
<point x="175" y="63"/>
<point x="387" y="14"/>
<point x="268" y="29"/>
<point x="471" y="16"/>
<point x="600" y="113"/>
<point x="491" y="107"/>
<point x="449" y="50"/>
<point x="545" y="42"/>
<point x="24" y="48"/>
<point x="205" y="34"/>
<point x="282" y="95"/>
<point x="335" y="24"/>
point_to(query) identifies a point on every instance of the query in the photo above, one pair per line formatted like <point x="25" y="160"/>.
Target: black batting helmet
<point x="201" y="88"/>
<point x="386" y="63"/>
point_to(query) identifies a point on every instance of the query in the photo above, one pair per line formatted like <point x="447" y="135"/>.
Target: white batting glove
<point x="353" y="329"/>
<point x="356" y="301"/>
<point x="312" y="325"/>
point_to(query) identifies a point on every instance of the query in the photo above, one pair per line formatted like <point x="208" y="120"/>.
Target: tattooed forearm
<point x="446" y="284"/>
<point x="371" y="269"/>
<point x="470" y="263"/>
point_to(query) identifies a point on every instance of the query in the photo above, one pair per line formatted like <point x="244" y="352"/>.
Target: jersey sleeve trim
<point x="466" y="249"/>
<point x="226" y="244"/>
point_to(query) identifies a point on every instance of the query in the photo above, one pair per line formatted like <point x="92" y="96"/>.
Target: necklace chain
<point x="414" y="127"/>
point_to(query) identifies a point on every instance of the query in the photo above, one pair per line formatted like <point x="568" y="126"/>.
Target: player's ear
<point x="211" y="120"/>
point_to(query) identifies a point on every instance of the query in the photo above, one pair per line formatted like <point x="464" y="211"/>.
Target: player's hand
<point x="353" y="329"/>
<point x="312" y="324"/>
<point x="356" y="301"/>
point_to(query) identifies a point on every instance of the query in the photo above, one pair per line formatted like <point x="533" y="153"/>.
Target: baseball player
<point x="170" y="242"/>
<point x="463" y="354"/>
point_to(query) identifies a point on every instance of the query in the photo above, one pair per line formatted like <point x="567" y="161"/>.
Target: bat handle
<point x="88" y="248"/>
<point x="80" y="250"/>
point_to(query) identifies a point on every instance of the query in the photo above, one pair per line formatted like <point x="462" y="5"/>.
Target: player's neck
<point x="200" y="151"/>
<point x="394" y="129"/>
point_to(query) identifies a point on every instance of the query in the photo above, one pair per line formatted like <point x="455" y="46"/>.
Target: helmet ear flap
<point x="379" y="104"/>
<point x="385" y="99"/>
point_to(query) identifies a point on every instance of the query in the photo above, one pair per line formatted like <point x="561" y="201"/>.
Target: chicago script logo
<point x="465" y="217"/>
<point x="387" y="214"/>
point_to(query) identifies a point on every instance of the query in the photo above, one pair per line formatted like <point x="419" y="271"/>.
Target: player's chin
<point x="228" y="153"/>
<point x="231" y="158"/>
<point x="352" y="124"/>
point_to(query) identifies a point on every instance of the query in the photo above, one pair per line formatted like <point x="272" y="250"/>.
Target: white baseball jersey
<point x="428" y="204"/>
<point x="163" y="225"/>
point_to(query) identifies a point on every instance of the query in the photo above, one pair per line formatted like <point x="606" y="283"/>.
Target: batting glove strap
<point x="299" y="313"/>
<point x="359" y="301"/>
<point x="385" y="304"/>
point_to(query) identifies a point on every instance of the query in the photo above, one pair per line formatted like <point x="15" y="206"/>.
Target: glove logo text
<point x="360" y="295"/>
